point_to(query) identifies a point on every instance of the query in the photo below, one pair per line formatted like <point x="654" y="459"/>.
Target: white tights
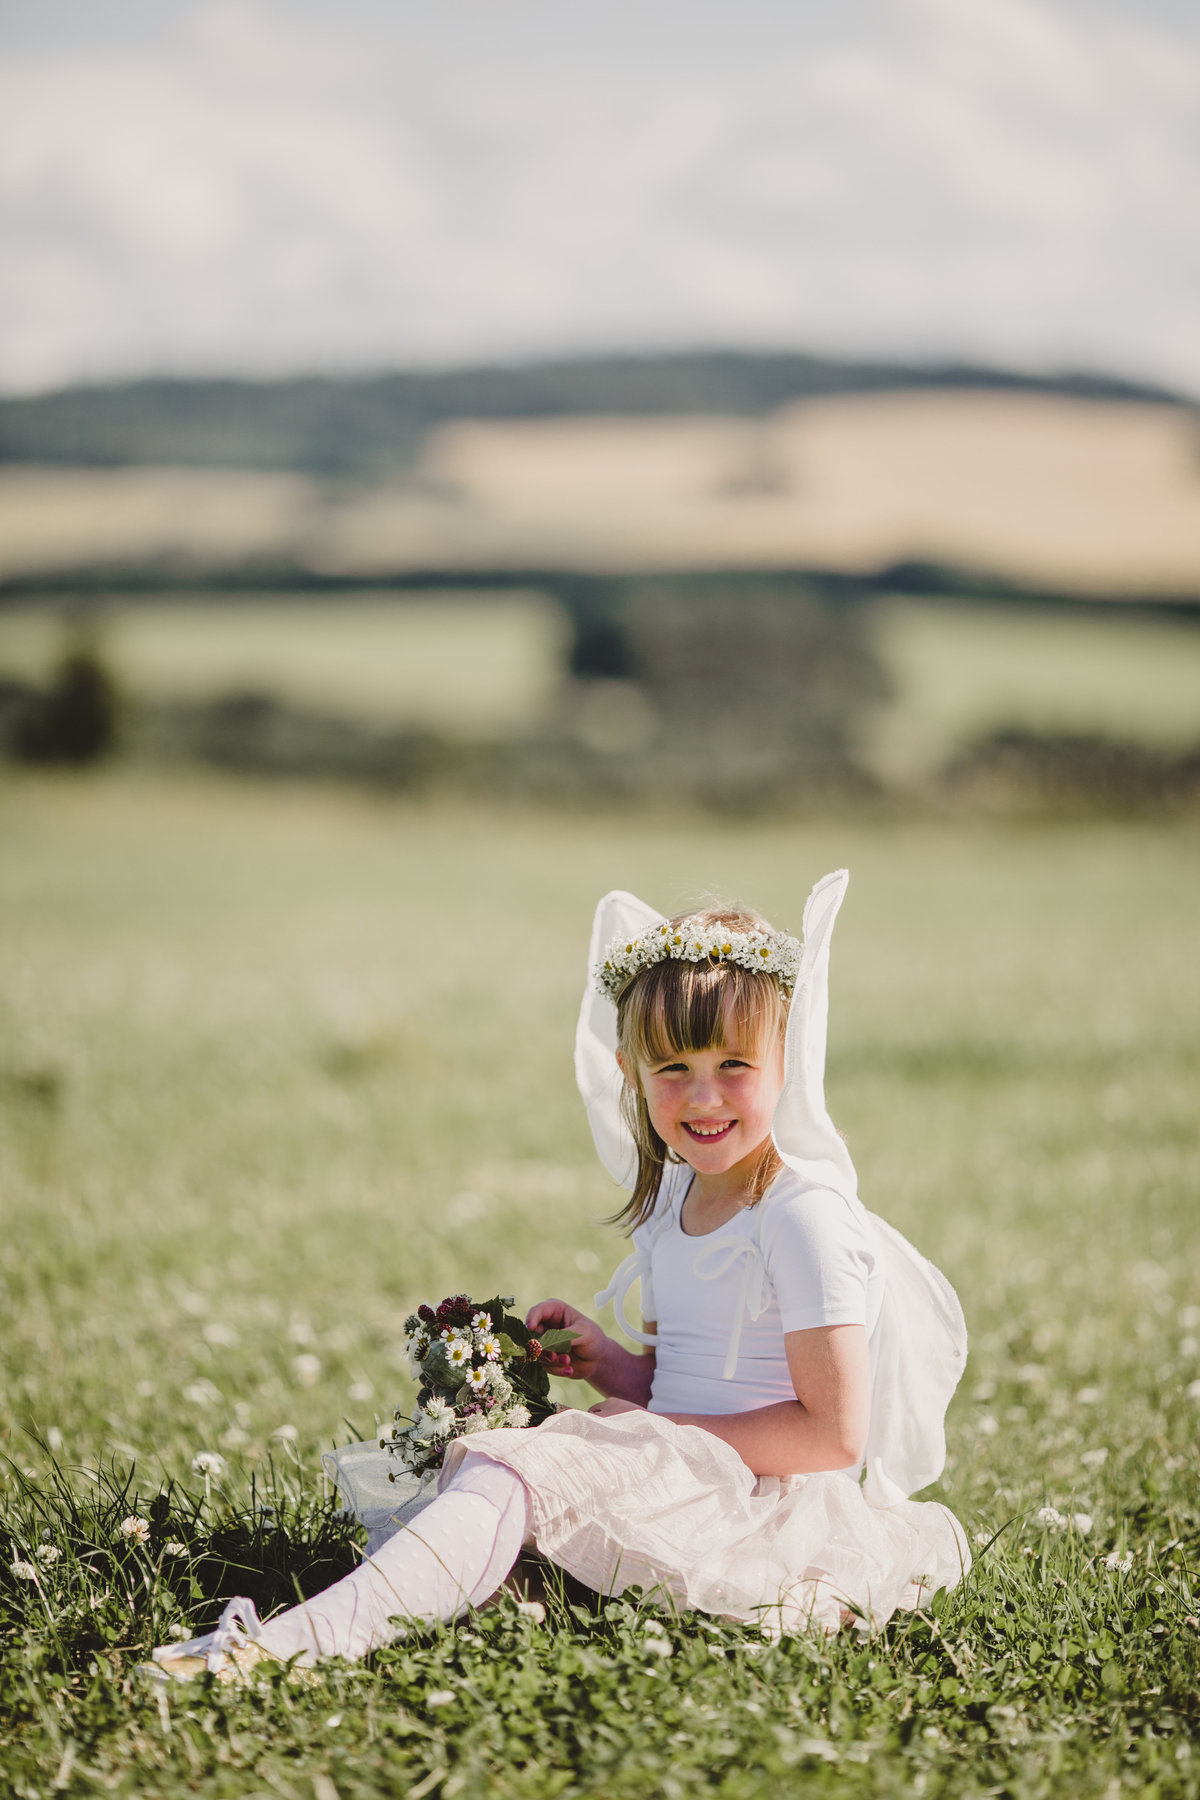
<point x="453" y="1555"/>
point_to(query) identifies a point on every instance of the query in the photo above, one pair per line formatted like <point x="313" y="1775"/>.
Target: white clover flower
<point x="1082" y="1523"/>
<point x="210" y="1463"/>
<point x="517" y="1416"/>
<point x="307" y="1368"/>
<point x="1115" y="1560"/>
<point x="658" y="1646"/>
<point x="440" y="1697"/>
<point x="1095" y="1459"/>
<point x="202" y="1393"/>
<point x="477" y="1381"/>
<point x="287" y="1434"/>
<point x="136" y="1529"/>
<point x="1192" y="1390"/>
<point x="481" y="1321"/>
<point x="474" y="1422"/>
<point x="48" y="1553"/>
<point x="24" y="1571"/>
<point x="532" y="1609"/>
<point x="982" y="1537"/>
<point x="1051" y="1518"/>
<point x="489" y="1346"/>
<point x="175" y="1548"/>
<point x="458" y="1353"/>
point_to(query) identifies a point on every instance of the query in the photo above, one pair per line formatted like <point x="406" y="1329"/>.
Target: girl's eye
<point x="735" y="1062"/>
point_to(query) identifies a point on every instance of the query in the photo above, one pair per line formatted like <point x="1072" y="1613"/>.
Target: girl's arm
<point x="619" y="1373"/>
<point x="824" y="1427"/>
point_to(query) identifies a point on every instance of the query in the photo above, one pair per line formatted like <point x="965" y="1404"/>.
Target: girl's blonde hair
<point x="673" y="1006"/>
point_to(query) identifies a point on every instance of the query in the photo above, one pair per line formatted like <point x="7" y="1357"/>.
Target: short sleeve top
<point x="822" y="1265"/>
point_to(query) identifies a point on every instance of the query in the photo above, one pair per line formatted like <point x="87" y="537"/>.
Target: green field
<point x="276" y="1065"/>
<point x="475" y="665"/>
<point x="459" y="662"/>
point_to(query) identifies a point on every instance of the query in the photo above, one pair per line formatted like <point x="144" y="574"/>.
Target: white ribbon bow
<point x="635" y="1268"/>
<point x="754" y="1289"/>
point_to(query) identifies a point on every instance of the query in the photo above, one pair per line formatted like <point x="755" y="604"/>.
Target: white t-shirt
<point x="823" y="1268"/>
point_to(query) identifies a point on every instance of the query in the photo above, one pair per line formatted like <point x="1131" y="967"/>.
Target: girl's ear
<point x="630" y="1079"/>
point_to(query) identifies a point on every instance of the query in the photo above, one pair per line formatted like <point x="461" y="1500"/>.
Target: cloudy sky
<point x="260" y="186"/>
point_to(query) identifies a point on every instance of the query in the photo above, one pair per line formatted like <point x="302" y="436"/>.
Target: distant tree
<point x="74" y="721"/>
<point x="765" y="671"/>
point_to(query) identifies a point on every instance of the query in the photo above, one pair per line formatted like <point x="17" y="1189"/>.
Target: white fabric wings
<point x="919" y="1343"/>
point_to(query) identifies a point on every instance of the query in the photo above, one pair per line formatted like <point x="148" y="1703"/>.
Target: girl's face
<point x="714" y="1107"/>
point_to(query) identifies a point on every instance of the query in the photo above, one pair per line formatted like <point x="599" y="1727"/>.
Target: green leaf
<point x="558" y="1339"/>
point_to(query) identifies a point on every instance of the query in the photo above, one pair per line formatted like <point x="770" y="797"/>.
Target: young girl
<point x="754" y="1460"/>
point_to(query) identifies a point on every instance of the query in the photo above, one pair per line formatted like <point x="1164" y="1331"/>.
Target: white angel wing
<point x="919" y="1342"/>
<point x="618" y="915"/>
<point x="804" y="1134"/>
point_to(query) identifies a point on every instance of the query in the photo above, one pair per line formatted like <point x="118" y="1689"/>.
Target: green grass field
<point x="459" y="662"/>
<point x="274" y="1066"/>
<point x="472" y="664"/>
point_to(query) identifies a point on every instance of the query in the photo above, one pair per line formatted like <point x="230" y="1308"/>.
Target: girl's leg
<point x="453" y="1555"/>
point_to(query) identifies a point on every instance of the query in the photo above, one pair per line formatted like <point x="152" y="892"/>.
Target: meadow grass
<point x="275" y="1065"/>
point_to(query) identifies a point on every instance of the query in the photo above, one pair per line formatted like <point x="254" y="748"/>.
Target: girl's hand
<point x="583" y="1358"/>
<point x="608" y="1409"/>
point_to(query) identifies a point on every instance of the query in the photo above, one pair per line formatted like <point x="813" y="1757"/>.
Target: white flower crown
<point x="766" y="952"/>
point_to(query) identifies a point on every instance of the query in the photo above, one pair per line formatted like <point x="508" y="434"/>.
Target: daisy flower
<point x="437" y="1418"/>
<point x="458" y="1354"/>
<point x="481" y="1321"/>
<point x="477" y="1381"/>
<point x="489" y="1345"/>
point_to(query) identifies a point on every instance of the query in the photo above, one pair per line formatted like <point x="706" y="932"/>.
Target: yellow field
<point x="1067" y="493"/>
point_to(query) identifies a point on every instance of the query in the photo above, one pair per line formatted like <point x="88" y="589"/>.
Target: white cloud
<point x="1003" y="180"/>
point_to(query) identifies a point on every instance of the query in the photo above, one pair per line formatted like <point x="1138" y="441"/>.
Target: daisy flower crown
<point x="766" y="952"/>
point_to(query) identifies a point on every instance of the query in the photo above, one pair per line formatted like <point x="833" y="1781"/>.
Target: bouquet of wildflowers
<point x="477" y="1368"/>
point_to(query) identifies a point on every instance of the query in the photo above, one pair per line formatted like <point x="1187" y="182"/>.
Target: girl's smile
<point x="714" y="1107"/>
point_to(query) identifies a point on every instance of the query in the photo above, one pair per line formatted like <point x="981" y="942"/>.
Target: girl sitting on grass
<point x="755" y="1459"/>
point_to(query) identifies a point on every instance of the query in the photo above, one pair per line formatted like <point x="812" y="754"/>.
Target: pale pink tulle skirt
<point x="636" y="1501"/>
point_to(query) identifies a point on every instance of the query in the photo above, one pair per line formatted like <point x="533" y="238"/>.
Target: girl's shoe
<point x="232" y="1652"/>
